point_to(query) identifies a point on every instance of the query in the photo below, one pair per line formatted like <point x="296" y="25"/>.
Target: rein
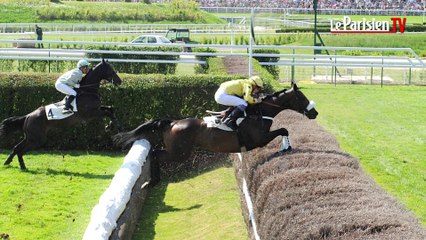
<point x="272" y="104"/>
<point x="89" y="85"/>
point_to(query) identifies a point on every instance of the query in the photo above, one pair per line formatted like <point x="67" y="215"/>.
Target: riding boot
<point x="230" y="121"/>
<point x="68" y="108"/>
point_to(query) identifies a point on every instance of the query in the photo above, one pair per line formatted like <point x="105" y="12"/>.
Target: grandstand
<point x="322" y="4"/>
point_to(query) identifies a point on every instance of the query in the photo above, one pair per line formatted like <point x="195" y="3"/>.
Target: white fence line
<point x="410" y="60"/>
<point x="291" y="56"/>
<point x="249" y="203"/>
<point x="113" y="201"/>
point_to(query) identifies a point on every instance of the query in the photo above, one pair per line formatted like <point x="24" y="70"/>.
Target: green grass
<point x="106" y="12"/>
<point x="54" y="199"/>
<point x="198" y="206"/>
<point x="383" y="127"/>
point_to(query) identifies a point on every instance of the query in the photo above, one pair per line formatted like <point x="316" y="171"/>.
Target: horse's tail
<point x="151" y="130"/>
<point x="10" y="125"/>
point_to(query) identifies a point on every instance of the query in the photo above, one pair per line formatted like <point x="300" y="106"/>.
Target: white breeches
<point x="224" y="98"/>
<point x="65" y="89"/>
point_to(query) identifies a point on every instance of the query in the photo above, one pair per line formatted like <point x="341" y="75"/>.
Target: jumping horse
<point x="35" y="125"/>
<point x="175" y="139"/>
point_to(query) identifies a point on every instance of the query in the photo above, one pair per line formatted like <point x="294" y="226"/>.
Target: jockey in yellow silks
<point x="238" y="93"/>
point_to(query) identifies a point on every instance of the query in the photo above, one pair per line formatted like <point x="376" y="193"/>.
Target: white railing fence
<point x="291" y="57"/>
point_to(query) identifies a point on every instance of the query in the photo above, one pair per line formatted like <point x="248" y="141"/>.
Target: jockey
<point x="238" y="93"/>
<point x="70" y="80"/>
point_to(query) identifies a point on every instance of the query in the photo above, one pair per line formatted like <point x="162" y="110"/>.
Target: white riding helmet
<point x="83" y="63"/>
<point x="256" y="80"/>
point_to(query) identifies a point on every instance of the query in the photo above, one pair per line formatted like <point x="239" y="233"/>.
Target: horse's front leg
<point x="264" y="138"/>
<point x="114" y="123"/>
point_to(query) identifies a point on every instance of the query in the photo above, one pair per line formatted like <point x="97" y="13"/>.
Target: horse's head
<point x="102" y="71"/>
<point x="295" y="100"/>
<point x="108" y="72"/>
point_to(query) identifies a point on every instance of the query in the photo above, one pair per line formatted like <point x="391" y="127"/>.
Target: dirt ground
<point x="237" y="65"/>
<point x="317" y="191"/>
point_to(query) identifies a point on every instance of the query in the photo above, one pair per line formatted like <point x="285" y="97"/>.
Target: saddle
<point x="54" y="110"/>
<point x="215" y="119"/>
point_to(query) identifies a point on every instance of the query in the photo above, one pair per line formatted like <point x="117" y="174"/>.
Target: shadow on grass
<point x="154" y="205"/>
<point x="50" y="171"/>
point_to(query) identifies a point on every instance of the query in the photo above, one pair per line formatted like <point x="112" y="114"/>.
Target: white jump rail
<point x="113" y="201"/>
<point x="249" y="203"/>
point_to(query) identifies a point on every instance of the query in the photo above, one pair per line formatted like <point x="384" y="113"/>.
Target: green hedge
<point x="123" y="67"/>
<point x="272" y="69"/>
<point x="202" y="68"/>
<point x="139" y="98"/>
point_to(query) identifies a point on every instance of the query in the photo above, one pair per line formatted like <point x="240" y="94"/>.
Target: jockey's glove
<point x="77" y="86"/>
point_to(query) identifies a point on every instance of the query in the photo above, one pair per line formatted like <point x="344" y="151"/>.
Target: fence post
<point x="409" y="76"/>
<point x="48" y="61"/>
<point x="381" y="74"/>
<point x="292" y="68"/>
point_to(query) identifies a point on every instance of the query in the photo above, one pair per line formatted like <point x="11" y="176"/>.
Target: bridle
<point x="308" y="108"/>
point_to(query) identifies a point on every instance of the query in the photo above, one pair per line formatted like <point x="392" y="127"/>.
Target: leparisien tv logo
<point x="367" y="26"/>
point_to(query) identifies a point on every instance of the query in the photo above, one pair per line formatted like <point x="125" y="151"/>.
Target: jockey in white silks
<point x="70" y="80"/>
<point x="238" y="93"/>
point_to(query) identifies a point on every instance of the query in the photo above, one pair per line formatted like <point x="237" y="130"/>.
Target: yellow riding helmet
<point x="256" y="80"/>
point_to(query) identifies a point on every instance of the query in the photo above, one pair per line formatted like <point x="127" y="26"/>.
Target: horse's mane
<point x="83" y="81"/>
<point x="275" y="94"/>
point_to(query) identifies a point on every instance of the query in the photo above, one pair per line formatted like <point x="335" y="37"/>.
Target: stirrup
<point x="232" y="125"/>
<point x="67" y="111"/>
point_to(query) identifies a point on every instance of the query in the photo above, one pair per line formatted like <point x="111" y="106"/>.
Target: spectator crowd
<point x="322" y="4"/>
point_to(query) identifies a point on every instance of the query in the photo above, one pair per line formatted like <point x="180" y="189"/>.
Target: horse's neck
<point x="265" y="108"/>
<point x="90" y="83"/>
<point x="274" y="105"/>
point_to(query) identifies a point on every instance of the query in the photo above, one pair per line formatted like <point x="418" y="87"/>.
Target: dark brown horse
<point x="175" y="139"/>
<point x="35" y="125"/>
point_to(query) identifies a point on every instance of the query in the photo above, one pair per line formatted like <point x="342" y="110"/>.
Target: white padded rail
<point x="249" y="203"/>
<point x="113" y="201"/>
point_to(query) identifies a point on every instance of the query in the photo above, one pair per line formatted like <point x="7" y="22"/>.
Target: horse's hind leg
<point x="21" y="148"/>
<point x="21" y="162"/>
<point x="161" y="156"/>
<point x="155" y="168"/>
<point x="14" y="152"/>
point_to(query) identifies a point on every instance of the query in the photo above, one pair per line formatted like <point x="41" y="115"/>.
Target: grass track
<point x="383" y="127"/>
<point x="205" y="206"/>
<point x="54" y="199"/>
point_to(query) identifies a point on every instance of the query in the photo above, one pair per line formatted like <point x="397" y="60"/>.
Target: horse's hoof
<point x="286" y="150"/>
<point x="152" y="183"/>
<point x="108" y="128"/>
